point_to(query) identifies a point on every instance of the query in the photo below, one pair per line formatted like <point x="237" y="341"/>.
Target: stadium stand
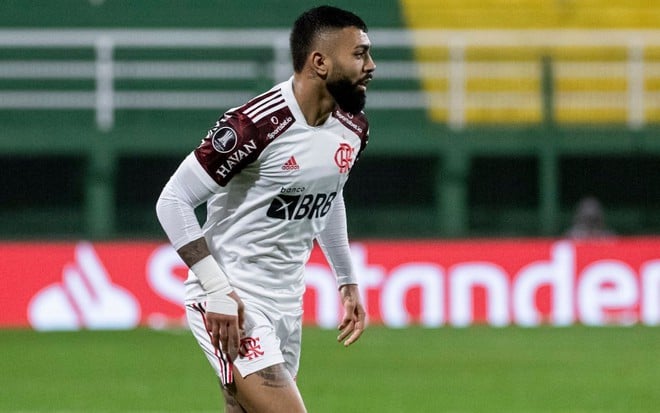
<point x="591" y="70"/>
<point x="530" y="130"/>
<point x="527" y="14"/>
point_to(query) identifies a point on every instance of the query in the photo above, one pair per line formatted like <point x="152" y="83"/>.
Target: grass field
<point x="477" y="369"/>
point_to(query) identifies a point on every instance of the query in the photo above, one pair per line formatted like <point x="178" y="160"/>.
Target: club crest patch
<point x="344" y="157"/>
<point x="224" y="139"/>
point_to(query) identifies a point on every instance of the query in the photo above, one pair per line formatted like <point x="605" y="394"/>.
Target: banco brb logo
<point x="308" y="206"/>
<point x="344" y="157"/>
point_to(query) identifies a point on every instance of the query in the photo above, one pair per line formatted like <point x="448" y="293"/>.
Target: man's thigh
<point x="271" y="389"/>
<point x="262" y="344"/>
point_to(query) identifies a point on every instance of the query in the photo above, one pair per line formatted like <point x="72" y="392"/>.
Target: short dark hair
<point x="314" y="21"/>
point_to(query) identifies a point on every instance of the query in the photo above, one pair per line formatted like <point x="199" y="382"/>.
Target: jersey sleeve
<point x="333" y="241"/>
<point x="231" y="145"/>
<point x="186" y="189"/>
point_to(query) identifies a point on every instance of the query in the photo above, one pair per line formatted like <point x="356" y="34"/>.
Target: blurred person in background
<point x="271" y="173"/>
<point x="589" y="220"/>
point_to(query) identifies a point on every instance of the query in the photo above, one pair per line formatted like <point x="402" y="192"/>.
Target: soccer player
<point x="271" y="173"/>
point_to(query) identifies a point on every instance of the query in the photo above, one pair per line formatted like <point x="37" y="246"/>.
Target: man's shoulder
<point x="242" y="133"/>
<point x="267" y="115"/>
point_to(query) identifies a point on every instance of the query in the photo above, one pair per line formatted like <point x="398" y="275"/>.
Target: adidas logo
<point x="291" y="165"/>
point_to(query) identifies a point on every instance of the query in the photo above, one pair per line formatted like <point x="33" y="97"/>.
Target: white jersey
<point x="278" y="178"/>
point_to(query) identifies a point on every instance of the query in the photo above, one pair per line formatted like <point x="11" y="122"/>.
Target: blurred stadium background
<point x="490" y="119"/>
<point x="494" y="123"/>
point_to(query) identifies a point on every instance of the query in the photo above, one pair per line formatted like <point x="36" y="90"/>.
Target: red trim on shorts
<point x="226" y="366"/>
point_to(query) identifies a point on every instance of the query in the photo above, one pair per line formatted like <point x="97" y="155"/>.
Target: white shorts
<point x="270" y="337"/>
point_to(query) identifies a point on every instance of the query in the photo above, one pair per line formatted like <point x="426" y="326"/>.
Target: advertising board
<point x="527" y="282"/>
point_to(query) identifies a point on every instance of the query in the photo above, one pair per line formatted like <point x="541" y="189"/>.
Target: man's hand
<point x="226" y="329"/>
<point x="353" y="323"/>
<point x="224" y="309"/>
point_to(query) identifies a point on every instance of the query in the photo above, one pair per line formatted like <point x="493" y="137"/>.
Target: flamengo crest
<point x="250" y="348"/>
<point x="344" y="157"/>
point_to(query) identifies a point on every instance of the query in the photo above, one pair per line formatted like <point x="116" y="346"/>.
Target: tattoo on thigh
<point x="231" y="402"/>
<point x="229" y="392"/>
<point x="275" y="376"/>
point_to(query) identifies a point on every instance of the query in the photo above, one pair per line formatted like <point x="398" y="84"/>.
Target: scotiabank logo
<point x="290" y="207"/>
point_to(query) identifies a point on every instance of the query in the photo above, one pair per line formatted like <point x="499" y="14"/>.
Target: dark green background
<point x="417" y="178"/>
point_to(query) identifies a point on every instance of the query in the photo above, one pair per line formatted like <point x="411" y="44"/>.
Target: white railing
<point x="451" y="62"/>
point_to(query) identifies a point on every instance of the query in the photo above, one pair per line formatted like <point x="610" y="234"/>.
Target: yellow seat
<point x="590" y="82"/>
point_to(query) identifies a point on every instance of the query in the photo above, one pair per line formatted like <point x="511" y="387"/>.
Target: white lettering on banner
<point x="321" y="279"/>
<point x="606" y="284"/>
<point x="557" y="273"/>
<point x="163" y="280"/>
<point x="393" y="303"/>
<point x="464" y="278"/>
<point x="369" y="276"/>
<point x="650" y="308"/>
<point x="397" y="292"/>
<point x="603" y="288"/>
<point x="86" y="297"/>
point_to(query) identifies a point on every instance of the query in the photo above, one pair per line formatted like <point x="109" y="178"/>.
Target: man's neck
<point x="313" y="98"/>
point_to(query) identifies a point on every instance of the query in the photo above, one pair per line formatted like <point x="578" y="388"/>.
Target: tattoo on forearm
<point x="194" y="251"/>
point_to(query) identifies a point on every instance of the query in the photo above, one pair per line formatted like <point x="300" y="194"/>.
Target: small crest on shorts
<point x="250" y="348"/>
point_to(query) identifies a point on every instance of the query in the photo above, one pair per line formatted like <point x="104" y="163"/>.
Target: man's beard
<point x="349" y="98"/>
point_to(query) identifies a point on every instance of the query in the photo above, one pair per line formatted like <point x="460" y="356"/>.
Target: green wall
<point x="180" y="13"/>
<point x="64" y="178"/>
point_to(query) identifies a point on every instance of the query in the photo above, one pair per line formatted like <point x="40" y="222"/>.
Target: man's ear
<point x="319" y="63"/>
